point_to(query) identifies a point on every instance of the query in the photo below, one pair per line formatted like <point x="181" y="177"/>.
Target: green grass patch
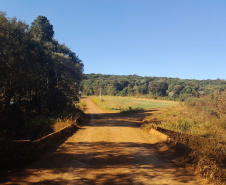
<point x="118" y="104"/>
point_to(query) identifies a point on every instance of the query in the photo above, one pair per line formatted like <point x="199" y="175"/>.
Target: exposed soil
<point x="109" y="149"/>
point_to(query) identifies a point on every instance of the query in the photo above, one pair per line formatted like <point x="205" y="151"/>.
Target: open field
<point x="123" y="103"/>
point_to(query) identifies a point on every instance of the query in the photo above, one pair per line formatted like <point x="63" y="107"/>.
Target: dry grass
<point x="82" y="106"/>
<point x="62" y="123"/>
<point x="204" y="117"/>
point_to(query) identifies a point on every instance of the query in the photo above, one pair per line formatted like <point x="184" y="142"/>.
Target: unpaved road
<point x="109" y="149"/>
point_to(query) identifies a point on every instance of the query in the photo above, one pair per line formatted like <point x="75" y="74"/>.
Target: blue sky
<point x="164" y="38"/>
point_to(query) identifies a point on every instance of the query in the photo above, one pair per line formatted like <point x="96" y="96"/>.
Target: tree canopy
<point x="41" y="29"/>
<point x="132" y="85"/>
<point x="37" y="74"/>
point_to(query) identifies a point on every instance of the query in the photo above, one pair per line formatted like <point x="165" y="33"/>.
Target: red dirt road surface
<point x="109" y="149"/>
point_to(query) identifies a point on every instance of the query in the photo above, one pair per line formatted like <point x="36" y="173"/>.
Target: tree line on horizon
<point x="134" y="85"/>
<point x="37" y="73"/>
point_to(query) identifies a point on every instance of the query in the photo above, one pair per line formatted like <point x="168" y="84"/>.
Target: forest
<point x="39" y="77"/>
<point x="154" y="87"/>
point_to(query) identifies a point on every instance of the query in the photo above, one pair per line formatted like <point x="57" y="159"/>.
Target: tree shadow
<point x="101" y="162"/>
<point x="117" y="119"/>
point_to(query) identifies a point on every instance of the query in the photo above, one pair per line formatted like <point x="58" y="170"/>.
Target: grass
<point x="62" y="123"/>
<point x="204" y="117"/>
<point x="118" y="104"/>
<point x="57" y="124"/>
<point x="81" y="106"/>
<point x="42" y="126"/>
<point x="37" y="126"/>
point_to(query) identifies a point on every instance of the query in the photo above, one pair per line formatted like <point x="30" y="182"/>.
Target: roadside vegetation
<point x="39" y="80"/>
<point x="204" y="117"/>
<point x="81" y="106"/>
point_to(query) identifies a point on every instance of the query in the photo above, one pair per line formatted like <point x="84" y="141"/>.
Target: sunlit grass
<point x="40" y="126"/>
<point x="81" y="106"/>
<point x="204" y="117"/>
<point x="123" y="103"/>
<point x="62" y="123"/>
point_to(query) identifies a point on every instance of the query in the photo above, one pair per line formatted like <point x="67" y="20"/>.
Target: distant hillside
<point x="132" y="85"/>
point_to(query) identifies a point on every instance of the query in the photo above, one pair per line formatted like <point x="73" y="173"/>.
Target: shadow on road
<point x="102" y="162"/>
<point x="117" y="119"/>
<point x="93" y="162"/>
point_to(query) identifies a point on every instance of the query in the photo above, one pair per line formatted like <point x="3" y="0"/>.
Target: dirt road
<point x="109" y="149"/>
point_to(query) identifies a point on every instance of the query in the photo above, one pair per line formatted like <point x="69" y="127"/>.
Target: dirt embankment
<point x="109" y="149"/>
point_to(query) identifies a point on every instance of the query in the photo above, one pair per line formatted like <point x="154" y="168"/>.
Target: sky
<point x="163" y="38"/>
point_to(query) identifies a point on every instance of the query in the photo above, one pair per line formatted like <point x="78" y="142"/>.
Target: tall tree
<point x="13" y="56"/>
<point x="41" y="29"/>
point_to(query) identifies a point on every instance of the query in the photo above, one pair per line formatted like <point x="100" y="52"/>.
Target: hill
<point x="134" y="85"/>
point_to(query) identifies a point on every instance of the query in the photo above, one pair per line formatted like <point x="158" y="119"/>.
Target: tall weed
<point x="204" y="117"/>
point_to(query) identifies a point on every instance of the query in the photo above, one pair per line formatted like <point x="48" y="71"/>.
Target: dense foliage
<point x="132" y="85"/>
<point x="37" y="74"/>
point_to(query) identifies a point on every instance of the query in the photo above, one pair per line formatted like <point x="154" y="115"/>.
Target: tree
<point x="152" y="86"/>
<point x="170" y="87"/>
<point x="13" y="56"/>
<point x="158" y="88"/>
<point x="187" y="90"/>
<point x="36" y="72"/>
<point x="177" y="89"/>
<point x="124" y="91"/>
<point x="142" y="89"/>
<point x="161" y="88"/>
<point x="41" y="29"/>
